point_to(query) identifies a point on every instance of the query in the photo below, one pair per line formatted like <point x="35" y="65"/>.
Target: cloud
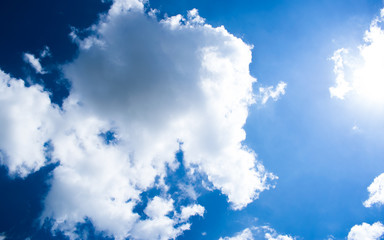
<point x="187" y="212"/>
<point x="46" y="52"/>
<point x="175" y="80"/>
<point x="26" y="116"/>
<point x="366" y="231"/>
<point x="362" y="73"/>
<point x="342" y="86"/>
<point x="272" y="92"/>
<point x="261" y="232"/>
<point x="159" y="225"/>
<point x="246" y="234"/>
<point x="155" y="88"/>
<point x="34" y="62"/>
<point x="376" y="192"/>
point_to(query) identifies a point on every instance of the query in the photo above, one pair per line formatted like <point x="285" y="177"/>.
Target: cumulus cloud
<point x="265" y="93"/>
<point x="366" y="231"/>
<point x="197" y="91"/>
<point x="261" y="232"/>
<point x="159" y="87"/>
<point x="362" y="73"/>
<point x="376" y="192"/>
<point x="26" y="116"/>
<point x="34" y="62"/>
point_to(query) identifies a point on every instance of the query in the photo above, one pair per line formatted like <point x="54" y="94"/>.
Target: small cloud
<point x="34" y="62"/>
<point x="153" y="13"/>
<point x="355" y="128"/>
<point x="342" y="86"/>
<point x="246" y="234"/>
<point x="260" y="232"/>
<point x="46" y="52"/>
<point x="330" y="237"/>
<point x="272" y="92"/>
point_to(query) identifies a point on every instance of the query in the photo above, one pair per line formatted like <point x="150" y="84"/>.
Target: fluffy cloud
<point x="363" y="73"/>
<point x="264" y="232"/>
<point x="156" y="87"/>
<point x="26" y="117"/>
<point x="178" y="80"/>
<point x="366" y="231"/>
<point x="376" y="192"/>
<point x="34" y="62"/>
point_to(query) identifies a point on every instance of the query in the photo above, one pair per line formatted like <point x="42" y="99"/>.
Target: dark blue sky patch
<point x="43" y="23"/>
<point x="109" y="137"/>
<point x="22" y="202"/>
<point x="29" y="26"/>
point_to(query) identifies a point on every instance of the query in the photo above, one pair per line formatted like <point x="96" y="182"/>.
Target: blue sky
<point x="233" y="120"/>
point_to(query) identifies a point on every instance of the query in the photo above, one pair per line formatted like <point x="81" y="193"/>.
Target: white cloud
<point x="271" y="234"/>
<point x="159" y="86"/>
<point x="262" y="232"/>
<point x="246" y="234"/>
<point x="34" y="62"/>
<point x="188" y="211"/>
<point x="159" y="225"/>
<point x="366" y="231"/>
<point x="376" y="192"/>
<point x="362" y="73"/>
<point x="26" y="116"/>
<point x="198" y="91"/>
<point x="123" y="6"/>
<point x="342" y="86"/>
<point x="272" y="92"/>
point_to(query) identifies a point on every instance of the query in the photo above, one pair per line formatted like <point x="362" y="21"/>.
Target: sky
<point x="217" y="120"/>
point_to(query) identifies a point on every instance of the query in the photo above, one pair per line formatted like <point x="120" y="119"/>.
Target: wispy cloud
<point x="34" y="62"/>
<point x="274" y="93"/>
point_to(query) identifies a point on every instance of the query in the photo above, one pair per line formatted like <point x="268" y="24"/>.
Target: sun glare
<point x="369" y="82"/>
<point x="362" y="73"/>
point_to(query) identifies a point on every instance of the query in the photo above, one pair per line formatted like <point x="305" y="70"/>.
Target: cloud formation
<point x="26" y="124"/>
<point x="362" y="73"/>
<point x="376" y="192"/>
<point x="155" y="88"/>
<point x="366" y="231"/>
